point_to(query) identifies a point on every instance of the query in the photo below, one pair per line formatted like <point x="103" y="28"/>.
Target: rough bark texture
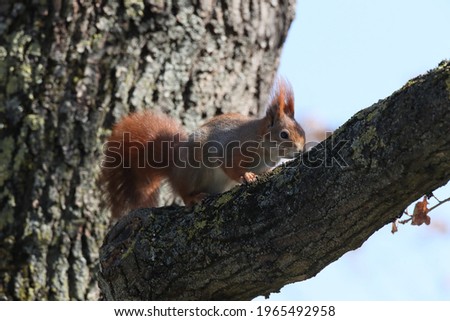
<point x="68" y="70"/>
<point x="254" y="239"/>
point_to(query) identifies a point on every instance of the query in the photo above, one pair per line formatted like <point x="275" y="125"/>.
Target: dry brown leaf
<point x="420" y="214"/>
<point x="394" y="227"/>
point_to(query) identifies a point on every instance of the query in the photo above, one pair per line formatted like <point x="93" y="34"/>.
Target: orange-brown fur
<point x="130" y="182"/>
<point x="128" y="186"/>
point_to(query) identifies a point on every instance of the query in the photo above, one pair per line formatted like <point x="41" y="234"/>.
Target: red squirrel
<point x="146" y="148"/>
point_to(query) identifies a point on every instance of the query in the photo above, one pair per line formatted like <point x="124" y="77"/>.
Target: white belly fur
<point x="218" y="181"/>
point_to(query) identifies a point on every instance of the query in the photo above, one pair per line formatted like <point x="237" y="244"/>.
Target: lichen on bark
<point x="296" y="220"/>
<point x="68" y="71"/>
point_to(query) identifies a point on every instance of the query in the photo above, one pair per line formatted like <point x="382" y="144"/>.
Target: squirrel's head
<point x="281" y="127"/>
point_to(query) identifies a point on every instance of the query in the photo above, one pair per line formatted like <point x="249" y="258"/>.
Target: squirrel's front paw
<point x="249" y="177"/>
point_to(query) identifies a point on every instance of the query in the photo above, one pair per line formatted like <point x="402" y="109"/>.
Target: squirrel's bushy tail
<point x="137" y="158"/>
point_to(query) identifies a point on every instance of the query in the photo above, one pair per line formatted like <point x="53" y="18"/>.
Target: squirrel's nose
<point x="301" y="148"/>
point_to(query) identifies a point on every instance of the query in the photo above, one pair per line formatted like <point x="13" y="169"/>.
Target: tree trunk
<point x="295" y="221"/>
<point x="68" y="70"/>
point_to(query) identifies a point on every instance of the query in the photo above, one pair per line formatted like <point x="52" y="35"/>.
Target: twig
<point x="440" y="203"/>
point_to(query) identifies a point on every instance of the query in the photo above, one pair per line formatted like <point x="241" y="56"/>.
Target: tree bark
<point x="68" y="71"/>
<point x="295" y="221"/>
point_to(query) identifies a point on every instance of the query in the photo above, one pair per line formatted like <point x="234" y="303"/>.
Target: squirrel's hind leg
<point x="191" y="200"/>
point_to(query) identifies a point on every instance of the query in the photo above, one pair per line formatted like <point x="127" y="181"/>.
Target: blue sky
<point x="342" y="56"/>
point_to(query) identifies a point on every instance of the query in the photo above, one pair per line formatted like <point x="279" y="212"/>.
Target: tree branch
<point x="298" y="219"/>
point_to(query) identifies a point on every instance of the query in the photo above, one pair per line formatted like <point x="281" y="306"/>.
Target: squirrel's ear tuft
<point x="282" y="100"/>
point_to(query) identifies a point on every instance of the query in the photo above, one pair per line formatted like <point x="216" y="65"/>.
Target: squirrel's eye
<point x="284" y="134"/>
